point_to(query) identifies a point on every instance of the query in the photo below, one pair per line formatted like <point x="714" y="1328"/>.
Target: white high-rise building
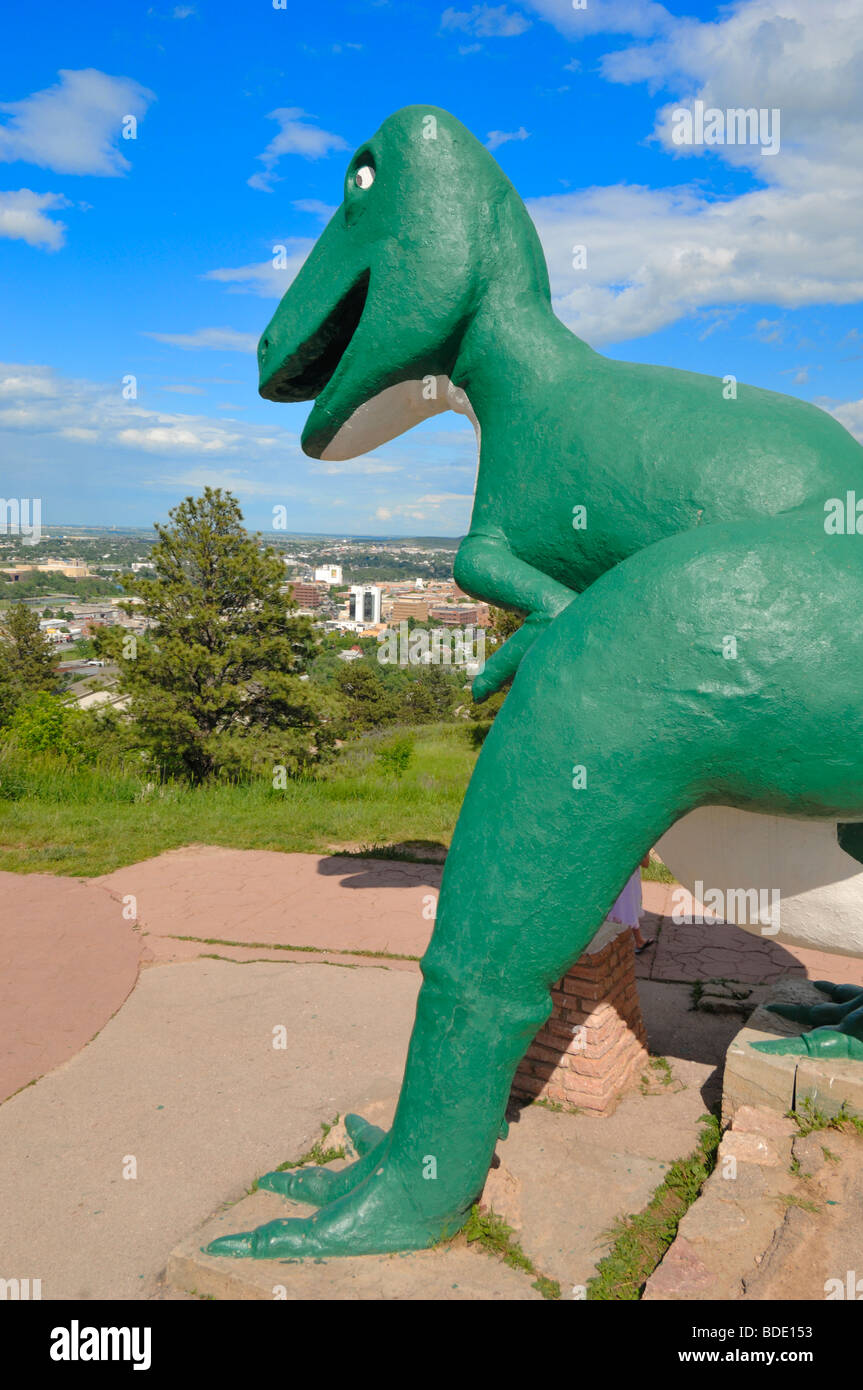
<point x="365" y="604"/>
<point x="329" y="574"/>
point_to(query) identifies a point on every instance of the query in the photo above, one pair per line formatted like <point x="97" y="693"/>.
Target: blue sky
<point x="151" y="257"/>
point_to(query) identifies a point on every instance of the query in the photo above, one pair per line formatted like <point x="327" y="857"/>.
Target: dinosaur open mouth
<point x="303" y="376"/>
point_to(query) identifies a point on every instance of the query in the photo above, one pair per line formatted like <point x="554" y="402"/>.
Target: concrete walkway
<point x="68" y="960"/>
<point x="716" y="950"/>
<point x="160" y="1102"/>
<point x="178" y="1105"/>
<point x="70" y="951"/>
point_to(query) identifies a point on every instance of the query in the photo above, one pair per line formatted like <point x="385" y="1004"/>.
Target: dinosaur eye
<point x="364" y="177"/>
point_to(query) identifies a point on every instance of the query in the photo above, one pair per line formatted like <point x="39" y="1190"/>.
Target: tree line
<point x="226" y="678"/>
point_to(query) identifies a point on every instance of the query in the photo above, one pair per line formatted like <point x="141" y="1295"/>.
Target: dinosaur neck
<point x="512" y="353"/>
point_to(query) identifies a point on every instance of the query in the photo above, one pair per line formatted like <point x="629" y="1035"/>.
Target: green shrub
<point x="42" y="724"/>
<point x="395" y="758"/>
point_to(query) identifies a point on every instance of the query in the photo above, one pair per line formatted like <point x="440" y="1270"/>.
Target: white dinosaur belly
<point x="795" y="866"/>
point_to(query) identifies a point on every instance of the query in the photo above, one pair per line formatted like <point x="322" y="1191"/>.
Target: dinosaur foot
<point x="837" y="1030"/>
<point x="320" y="1186"/>
<point x="376" y="1218"/>
<point x="844" y="1042"/>
<point x="845" y="1000"/>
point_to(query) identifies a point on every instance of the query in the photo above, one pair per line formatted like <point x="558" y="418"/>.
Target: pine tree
<point x="369" y="701"/>
<point x="214" y="682"/>
<point x="27" y="662"/>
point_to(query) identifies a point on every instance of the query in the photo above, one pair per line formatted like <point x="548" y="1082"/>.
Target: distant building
<point x="70" y="569"/>
<point x="364" y="605"/>
<point x="306" y="595"/>
<point x="404" y="608"/>
<point x="455" y="615"/>
<point x="329" y="574"/>
<point x="353" y="654"/>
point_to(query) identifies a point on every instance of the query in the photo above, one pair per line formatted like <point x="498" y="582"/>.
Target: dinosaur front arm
<point x="486" y="568"/>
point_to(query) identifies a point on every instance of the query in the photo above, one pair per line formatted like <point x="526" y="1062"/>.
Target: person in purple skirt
<point x="627" y="908"/>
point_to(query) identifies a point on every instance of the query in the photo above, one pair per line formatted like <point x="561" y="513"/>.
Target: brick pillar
<point x="594" y="1045"/>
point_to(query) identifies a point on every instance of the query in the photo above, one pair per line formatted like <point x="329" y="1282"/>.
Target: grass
<point x="83" y="821"/>
<point x="283" y="946"/>
<point x="662" y="1076"/>
<point x="317" y="1154"/>
<point x="790" y="1199"/>
<point x="91" y="820"/>
<point x="656" y="872"/>
<point x="556" y="1106"/>
<point x="810" y="1119"/>
<point x="639" y="1241"/>
<point x="496" y="1238"/>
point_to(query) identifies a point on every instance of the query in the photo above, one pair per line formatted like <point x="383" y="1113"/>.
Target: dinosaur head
<point x="371" y="327"/>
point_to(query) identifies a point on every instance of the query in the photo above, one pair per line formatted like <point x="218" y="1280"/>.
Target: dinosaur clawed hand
<point x="503" y="665"/>
<point x="839" y="1025"/>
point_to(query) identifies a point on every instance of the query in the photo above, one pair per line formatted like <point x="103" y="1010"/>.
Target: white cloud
<point x="195" y="479"/>
<point x="656" y="255"/>
<point x="39" y="401"/>
<point x="442" y="508"/>
<point x="22" y="218"/>
<point x="176" y="437"/>
<point x="637" y="17"/>
<point x="486" y="21"/>
<point x="367" y="465"/>
<point x="74" y="127"/>
<point x="296" y="136"/>
<point x="314" y="205"/>
<point x="496" y="138"/>
<point x="221" y="339"/>
<point x="51" y="424"/>
<point x="266" y="278"/>
<point x="848" y="413"/>
<point x="27" y="383"/>
<point x="770" y="331"/>
<point x="800" y="375"/>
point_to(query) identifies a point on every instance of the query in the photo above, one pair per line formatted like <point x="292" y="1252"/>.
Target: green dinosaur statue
<point x="638" y="516"/>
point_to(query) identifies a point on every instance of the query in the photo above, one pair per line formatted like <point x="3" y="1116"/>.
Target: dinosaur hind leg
<point x="538" y="856"/>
